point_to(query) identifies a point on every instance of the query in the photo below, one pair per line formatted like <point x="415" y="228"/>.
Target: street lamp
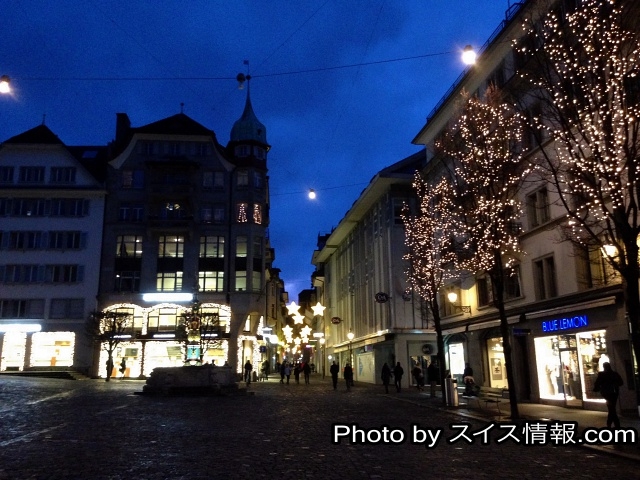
<point x="453" y="298"/>
<point x="5" y="86"/>
<point x="350" y="336"/>
<point x="468" y="55"/>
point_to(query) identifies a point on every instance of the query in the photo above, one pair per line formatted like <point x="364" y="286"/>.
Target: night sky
<point x="342" y="86"/>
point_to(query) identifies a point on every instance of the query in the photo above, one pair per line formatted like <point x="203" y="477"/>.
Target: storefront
<point x="22" y="348"/>
<point x="570" y="348"/>
<point x="570" y="366"/>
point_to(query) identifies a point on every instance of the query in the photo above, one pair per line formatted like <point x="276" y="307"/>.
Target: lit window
<point x="257" y="213"/>
<point x="241" y="212"/>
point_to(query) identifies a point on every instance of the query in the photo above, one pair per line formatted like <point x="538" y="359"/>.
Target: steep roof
<point x="39" y="135"/>
<point x="179" y="124"/>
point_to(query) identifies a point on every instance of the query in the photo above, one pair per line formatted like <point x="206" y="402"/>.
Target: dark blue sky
<point x="342" y="86"/>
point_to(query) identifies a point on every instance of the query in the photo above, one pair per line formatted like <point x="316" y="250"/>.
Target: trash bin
<point x="451" y="391"/>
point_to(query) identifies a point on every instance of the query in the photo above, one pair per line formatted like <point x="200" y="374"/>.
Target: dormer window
<point x="260" y="153"/>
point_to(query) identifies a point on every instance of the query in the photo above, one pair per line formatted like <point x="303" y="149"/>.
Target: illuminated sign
<point x="567" y="323"/>
<point x="167" y="297"/>
<point x="20" y="327"/>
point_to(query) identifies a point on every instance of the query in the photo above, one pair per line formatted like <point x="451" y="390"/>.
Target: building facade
<point x="361" y="280"/>
<point x="565" y="306"/>
<point x="51" y="204"/>
<point x="187" y="220"/>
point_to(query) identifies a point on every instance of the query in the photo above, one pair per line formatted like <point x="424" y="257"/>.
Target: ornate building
<point x="186" y="220"/>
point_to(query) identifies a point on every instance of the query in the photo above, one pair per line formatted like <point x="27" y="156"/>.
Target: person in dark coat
<point x="348" y="375"/>
<point x="282" y="367"/>
<point x="608" y="383"/>
<point x="334" y="370"/>
<point x="398" y="371"/>
<point x="386" y="377"/>
<point x="419" y="377"/>
<point x="306" y="369"/>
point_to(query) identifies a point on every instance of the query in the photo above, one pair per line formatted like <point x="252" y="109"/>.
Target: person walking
<point x="306" y="370"/>
<point x="608" y="383"/>
<point x="282" y="369"/>
<point x="348" y="376"/>
<point x="334" y="370"/>
<point x="386" y="377"/>
<point x="287" y="371"/>
<point x="418" y="376"/>
<point x="468" y="380"/>
<point x="296" y="372"/>
<point x="398" y="371"/>
<point x="247" y="372"/>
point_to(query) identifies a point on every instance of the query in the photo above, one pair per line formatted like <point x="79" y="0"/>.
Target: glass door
<point x="571" y="382"/>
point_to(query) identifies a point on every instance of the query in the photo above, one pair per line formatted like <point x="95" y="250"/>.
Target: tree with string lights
<point x="583" y="66"/>
<point x="109" y="329"/>
<point x="428" y="236"/>
<point x="483" y="149"/>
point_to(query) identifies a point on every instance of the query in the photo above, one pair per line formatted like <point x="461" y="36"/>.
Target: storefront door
<point x="572" y="385"/>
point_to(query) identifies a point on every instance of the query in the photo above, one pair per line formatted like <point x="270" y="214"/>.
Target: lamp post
<point x="350" y="336"/>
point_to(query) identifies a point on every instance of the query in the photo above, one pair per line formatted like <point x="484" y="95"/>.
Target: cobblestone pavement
<point x="64" y="429"/>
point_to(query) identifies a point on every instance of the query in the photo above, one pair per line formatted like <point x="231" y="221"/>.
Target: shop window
<point x="456" y="361"/>
<point x="569" y="364"/>
<point x="497" y="371"/>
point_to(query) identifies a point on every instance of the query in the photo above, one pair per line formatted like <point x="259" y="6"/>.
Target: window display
<point x="568" y="365"/>
<point x="497" y="372"/>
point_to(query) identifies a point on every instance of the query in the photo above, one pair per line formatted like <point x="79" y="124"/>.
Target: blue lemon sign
<point x="566" y="323"/>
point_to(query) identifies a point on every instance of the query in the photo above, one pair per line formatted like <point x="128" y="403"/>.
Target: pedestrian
<point x="287" y="371"/>
<point x="434" y="377"/>
<point x="247" y="372"/>
<point x="306" y="370"/>
<point x="468" y="380"/>
<point x="398" y="371"/>
<point x="348" y="375"/>
<point x="265" y="370"/>
<point x="608" y="383"/>
<point x="386" y="376"/>
<point x="123" y="366"/>
<point x="334" y="370"/>
<point x="296" y="372"/>
<point x="281" y="370"/>
<point x="418" y="376"/>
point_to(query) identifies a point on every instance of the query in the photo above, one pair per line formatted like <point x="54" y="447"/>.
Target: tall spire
<point x="248" y="127"/>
